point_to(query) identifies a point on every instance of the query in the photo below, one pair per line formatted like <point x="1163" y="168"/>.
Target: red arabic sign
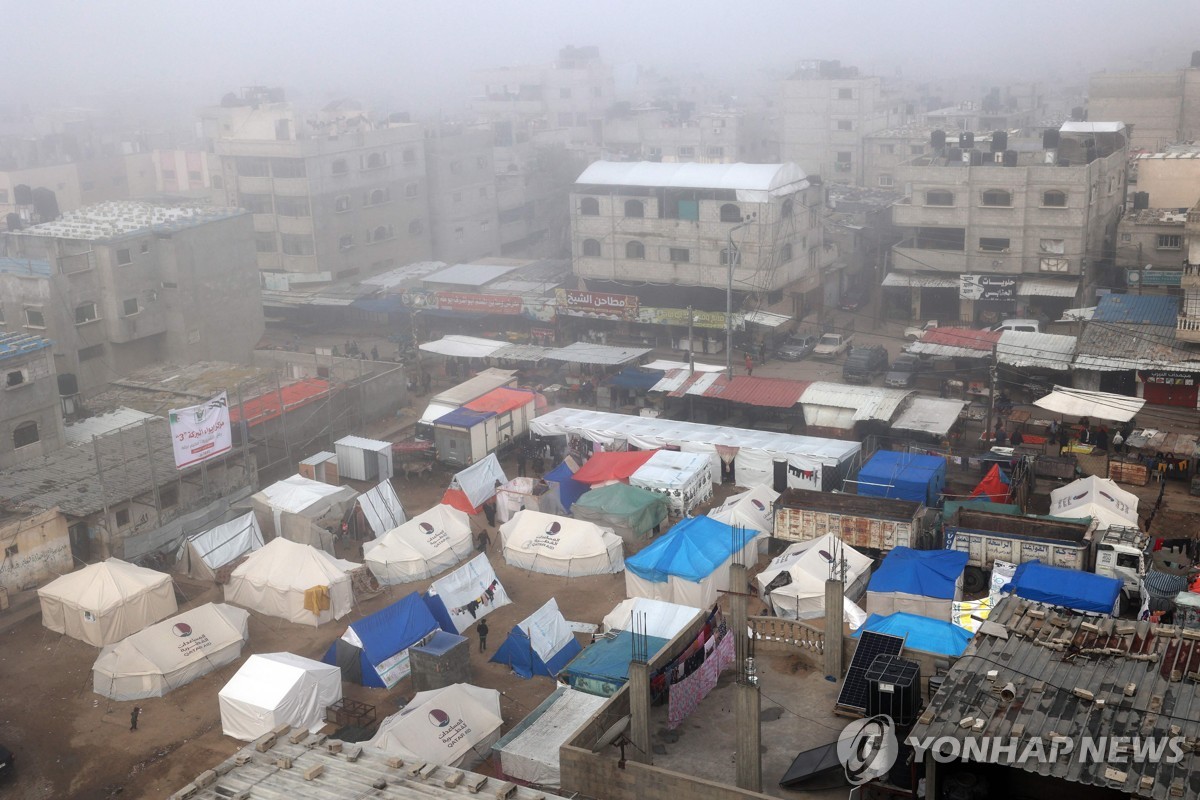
<point x="479" y="303"/>
<point x="584" y="303"/>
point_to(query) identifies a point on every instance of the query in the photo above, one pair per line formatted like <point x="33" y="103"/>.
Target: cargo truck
<point x="872" y="524"/>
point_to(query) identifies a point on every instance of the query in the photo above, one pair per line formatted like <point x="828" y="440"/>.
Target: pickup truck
<point x="987" y="536"/>
<point x="915" y="332"/>
<point x="831" y="345"/>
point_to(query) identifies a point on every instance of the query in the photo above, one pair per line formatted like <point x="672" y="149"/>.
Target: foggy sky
<point x="420" y="56"/>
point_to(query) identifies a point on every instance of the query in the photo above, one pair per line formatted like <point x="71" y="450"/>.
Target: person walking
<point x="482" y="630"/>
<point x="483" y="541"/>
<point x="133" y="717"/>
<point x="1001" y="437"/>
<point x="1118" y="442"/>
<point x="489" y="510"/>
<point x="749" y="366"/>
<point x="522" y="459"/>
<point x="762" y="351"/>
<point x="374" y="353"/>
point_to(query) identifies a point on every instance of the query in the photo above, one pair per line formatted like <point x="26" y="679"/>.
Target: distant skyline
<point x="405" y="56"/>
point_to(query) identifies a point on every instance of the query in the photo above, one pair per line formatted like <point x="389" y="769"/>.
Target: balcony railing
<point x="768" y="631"/>
<point x="1187" y="329"/>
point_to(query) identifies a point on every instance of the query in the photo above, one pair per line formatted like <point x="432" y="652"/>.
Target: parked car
<point x="852" y="300"/>
<point x="903" y="372"/>
<point x="864" y="363"/>
<point x="915" y="332"/>
<point x="832" y="344"/>
<point x="797" y="347"/>
<point x="1024" y="325"/>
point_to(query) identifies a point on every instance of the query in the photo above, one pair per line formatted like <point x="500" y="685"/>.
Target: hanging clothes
<point x="316" y="599"/>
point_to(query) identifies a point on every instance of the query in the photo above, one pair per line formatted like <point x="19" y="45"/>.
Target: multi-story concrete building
<point x="462" y="193"/>
<point x="335" y="196"/>
<point x="75" y="185"/>
<point x="826" y="111"/>
<point x="886" y="150"/>
<point x="1187" y="326"/>
<point x="1161" y="107"/>
<point x="642" y="223"/>
<point x="122" y="285"/>
<point x="1151" y="238"/>
<point x="676" y="135"/>
<point x="997" y="233"/>
<point x="31" y="422"/>
<point x="1170" y="179"/>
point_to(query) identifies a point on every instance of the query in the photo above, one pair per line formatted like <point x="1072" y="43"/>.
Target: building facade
<point x="462" y="193"/>
<point x="677" y="135"/>
<point x="1151" y="239"/>
<point x="30" y="412"/>
<point x="1162" y="107"/>
<point x="122" y="285"/>
<point x="885" y="151"/>
<point x="1170" y="179"/>
<point x="1187" y="326"/>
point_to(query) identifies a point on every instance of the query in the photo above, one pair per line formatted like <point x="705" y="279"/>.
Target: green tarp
<point x="631" y="512"/>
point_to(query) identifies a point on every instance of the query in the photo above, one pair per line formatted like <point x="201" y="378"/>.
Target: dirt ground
<point x="71" y="742"/>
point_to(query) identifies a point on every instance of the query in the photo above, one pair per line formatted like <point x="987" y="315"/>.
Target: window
<point x="635" y="250"/>
<point x="341" y="204"/>
<point x="381" y="233"/>
<point x="845" y="94"/>
<point x="130" y="307"/>
<point x="1126" y="237"/>
<point x="14" y="378"/>
<point x="886" y="181"/>
<point x="724" y="256"/>
<point x="997" y="197"/>
<point x="286" y="168"/>
<point x="589" y="207"/>
<point x="455" y="167"/>
<point x="591" y="248"/>
<point x="459" y="233"/>
<point x="939" y="197"/>
<point x="85" y="313"/>
<point x="264" y="242"/>
<point x="412" y="190"/>
<point x="296" y="244"/>
<point x="654" y="153"/>
<point x="247" y="168"/>
<point x="687" y="152"/>
<point x="90" y="353"/>
<point x="786" y="209"/>
<point x="168" y="496"/>
<point x="716" y="152"/>
<point x="374" y="161"/>
<point x="564" y="93"/>
<point x="1054" y="199"/>
<point x="1169" y="241"/>
<point x="730" y="212"/>
<point x="416" y="227"/>
<point x="887" y="149"/>
<point x="144" y="248"/>
<point x="346" y="242"/>
<point x="993" y="244"/>
<point x="292" y="206"/>
<point x="25" y="434"/>
<point x="257" y="203"/>
<point x="378" y="197"/>
<point x="635" y="208"/>
<point x="845" y="124"/>
<point x="1055" y="246"/>
<point x="194" y="176"/>
<point x="124" y="257"/>
<point x="916" y="149"/>
<point x="1053" y="264"/>
<point x="785" y="253"/>
<point x="339" y="166"/>
<point x="121" y="517"/>
<point x="680" y="255"/>
<point x="410" y="156"/>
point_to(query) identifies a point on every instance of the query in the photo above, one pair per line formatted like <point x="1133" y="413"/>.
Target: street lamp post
<point x="734" y="255"/>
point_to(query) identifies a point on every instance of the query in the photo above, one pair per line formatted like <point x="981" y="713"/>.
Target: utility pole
<point x="732" y="258"/>
<point x="691" y="344"/>
<point x="153" y="472"/>
<point x="987" y="430"/>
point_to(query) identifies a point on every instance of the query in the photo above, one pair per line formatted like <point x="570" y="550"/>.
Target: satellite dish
<point x="612" y="734"/>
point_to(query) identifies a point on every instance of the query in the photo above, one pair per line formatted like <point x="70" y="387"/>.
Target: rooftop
<point x="469" y="274"/>
<point x="17" y="344"/>
<point x="157" y="389"/>
<point x="1114" y="347"/>
<point x="1155" y="216"/>
<point x="117" y="219"/>
<point x="1138" y="309"/>
<point x="81" y="432"/>
<point x="777" y="179"/>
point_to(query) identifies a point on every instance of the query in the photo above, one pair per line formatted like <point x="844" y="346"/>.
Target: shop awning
<point x="920" y="280"/>
<point x="1084" y="403"/>
<point x="1044" y="287"/>
<point x="464" y="346"/>
<point x="587" y="353"/>
<point x="930" y="415"/>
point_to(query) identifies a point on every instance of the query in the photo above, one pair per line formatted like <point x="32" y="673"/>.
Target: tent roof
<point x="811" y="563"/>
<point x="670" y="468"/>
<point x="920" y="633"/>
<point x="284" y="564"/>
<point x="464" y="346"/>
<point x="265" y="679"/>
<point x="218" y="546"/>
<point x="1084" y="403"/>
<point x="502" y="399"/>
<point x="932" y="415"/>
<point x="569" y="489"/>
<point x="411" y="541"/>
<point x="620" y="498"/>
<point x="612" y="466"/>
<point x="691" y="550"/>
<point x="654" y="617"/>
<point x="163" y="647"/>
<point x="608" y="658"/>
<point x="1096" y="497"/>
<point x="554" y="537"/>
<point x="927" y="573"/>
<point x="753" y="508"/>
<point x="108" y="584"/>
<point x="297" y="493"/>
<point x="394" y="628"/>
<point x="1057" y="586"/>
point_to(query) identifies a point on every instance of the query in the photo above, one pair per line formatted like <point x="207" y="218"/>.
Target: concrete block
<point x="1082" y="694"/>
<point x="334" y="746"/>
<point x="314" y="772"/>
<point x="476" y="782"/>
<point x="297" y="736"/>
<point x="352" y="753"/>
<point x="428" y="770"/>
<point x="454" y="779"/>
<point x="280" y="730"/>
<point x="505" y="790"/>
<point x="242" y="759"/>
<point x="205" y="778"/>
<point x="394" y="762"/>
<point x="1115" y="775"/>
<point x="265" y="742"/>
<point x="284" y="762"/>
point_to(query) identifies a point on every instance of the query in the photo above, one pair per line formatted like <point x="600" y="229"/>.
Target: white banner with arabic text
<point x="201" y="432"/>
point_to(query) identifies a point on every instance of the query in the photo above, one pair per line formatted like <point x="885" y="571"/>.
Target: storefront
<point x="1163" y="388"/>
<point x="917" y="295"/>
<point x="989" y="298"/>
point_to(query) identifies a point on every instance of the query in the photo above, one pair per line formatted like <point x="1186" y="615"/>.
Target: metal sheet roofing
<point x="123" y="218"/>
<point x="464" y="346"/>
<point x="955" y="343"/>
<point x="363" y="443"/>
<point x="920" y="280"/>
<point x="932" y="415"/>
<point x="269" y="405"/>
<point x="401" y="276"/>
<point x="767" y="319"/>
<point x="587" y="353"/>
<point x="1114" y="347"/>
<point x="1061" y="667"/>
<point x="34" y="267"/>
<point x="501" y="400"/>
<point x="81" y="432"/>
<point x="1046" y="287"/>
<point x="1026" y="349"/>
<point x="477" y="386"/>
<point x="867" y="402"/>
<point x="522" y="352"/>
<point x="469" y="274"/>
<point x="18" y="343"/>
<point x="766" y="392"/>
<point x="1137" y="309"/>
<point x="1092" y="127"/>
<point x="775" y="178"/>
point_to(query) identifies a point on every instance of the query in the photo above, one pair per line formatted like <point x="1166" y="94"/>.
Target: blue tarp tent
<point x="903" y="476"/>
<point x="540" y="644"/>
<point x="1058" y="586"/>
<point x="636" y="378"/>
<point x="689" y="564"/>
<point x="569" y="489"/>
<point x="374" y="650"/>
<point x="925" y="582"/>
<point x="920" y="633"/>
<point x="603" y="666"/>
<point x="464" y="418"/>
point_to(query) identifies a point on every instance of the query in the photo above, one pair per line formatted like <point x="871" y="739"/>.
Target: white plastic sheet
<point x="420" y="548"/>
<point x="460" y="592"/>
<point x="201" y="554"/>
<point x="478" y="481"/>
<point x="382" y="508"/>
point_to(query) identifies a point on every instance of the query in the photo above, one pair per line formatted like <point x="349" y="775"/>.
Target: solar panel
<point x="870" y="645"/>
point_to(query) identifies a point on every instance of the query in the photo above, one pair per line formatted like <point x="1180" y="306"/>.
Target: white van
<point x="1023" y="325"/>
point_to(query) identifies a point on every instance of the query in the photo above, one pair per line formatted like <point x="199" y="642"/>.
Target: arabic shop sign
<point x="1169" y="378"/>
<point x="1154" y="277"/>
<point x="582" y="303"/>
<point x="679" y="316"/>
<point x="987" y="287"/>
<point x="479" y="303"/>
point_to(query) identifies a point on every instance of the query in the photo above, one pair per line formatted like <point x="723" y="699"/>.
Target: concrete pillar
<point x="738" y="584"/>
<point x="747" y="704"/>
<point x="639" y="712"/>
<point x="834" y="597"/>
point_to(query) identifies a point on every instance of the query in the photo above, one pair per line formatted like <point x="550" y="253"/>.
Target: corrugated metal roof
<point x="469" y="274"/>
<point x="400" y="276"/>
<point x="767" y="392"/>
<point x="464" y="346"/>
<point x="119" y="218"/>
<point x="16" y="344"/>
<point x="363" y="443"/>
<point x="1051" y="659"/>
<point x="272" y="404"/>
<point x="1116" y="347"/>
<point x="522" y="352"/>
<point x="955" y="343"/>
<point x="1137" y="309"/>
<point x="929" y="415"/>
<point x="868" y="402"/>
<point x="1092" y="127"/>
<point x="81" y="432"/>
<point x="767" y="319"/>
<point x="752" y="177"/>
<point x="1026" y="349"/>
<point x="921" y="280"/>
<point x="1046" y="287"/>
<point x="587" y="353"/>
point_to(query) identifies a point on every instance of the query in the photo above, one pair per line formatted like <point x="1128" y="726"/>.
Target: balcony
<point x="1187" y="329"/>
<point x="1191" y="276"/>
<point x="291" y="187"/>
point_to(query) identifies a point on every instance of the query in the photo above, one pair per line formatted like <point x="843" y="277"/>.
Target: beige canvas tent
<point x="103" y="603"/>
<point x="560" y="545"/>
<point x="171" y="653"/>
<point x="278" y="580"/>
<point x="276" y="689"/>
<point x="455" y="726"/>
<point x="303" y="510"/>
<point x="422" y="547"/>
<point x="202" y="554"/>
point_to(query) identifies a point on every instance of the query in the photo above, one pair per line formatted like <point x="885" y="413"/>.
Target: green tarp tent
<point x="631" y="512"/>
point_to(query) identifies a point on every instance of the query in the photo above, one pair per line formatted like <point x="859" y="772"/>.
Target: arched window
<point x="25" y="434"/>
<point x="635" y="208"/>
<point x="635" y="250"/>
<point x="731" y="213"/>
<point x="589" y="207"/>
<point x="379" y="197"/>
<point x="939" y="197"/>
<point x="346" y="242"/>
<point x="376" y="161"/>
<point x="591" y="248"/>
<point x="380" y="234"/>
<point x="1054" y="198"/>
<point x="786" y="211"/>
<point x="341" y="204"/>
<point x="416" y="227"/>
<point x="997" y="197"/>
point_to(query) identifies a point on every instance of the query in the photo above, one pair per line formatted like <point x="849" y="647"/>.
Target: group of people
<point x="350" y="349"/>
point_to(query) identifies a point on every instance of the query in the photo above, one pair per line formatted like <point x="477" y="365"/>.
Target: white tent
<point x="105" y="602"/>
<point x="283" y="579"/>
<point x="202" y="554"/>
<point x="171" y="653"/>
<point x="478" y="481"/>
<point x="420" y="548"/>
<point x="1107" y="504"/>
<point x="560" y="545"/>
<point x="794" y="581"/>
<point x="521" y="493"/>
<point x="455" y="726"/>
<point x="1084" y="403"/>
<point x="753" y="509"/>
<point x="529" y="752"/>
<point x="652" y="617"/>
<point x="382" y="508"/>
<point x="274" y="689"/>
<point x="302" y="510"/>
<point x="685" y="479"/>
<point x="469" y="593"/>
